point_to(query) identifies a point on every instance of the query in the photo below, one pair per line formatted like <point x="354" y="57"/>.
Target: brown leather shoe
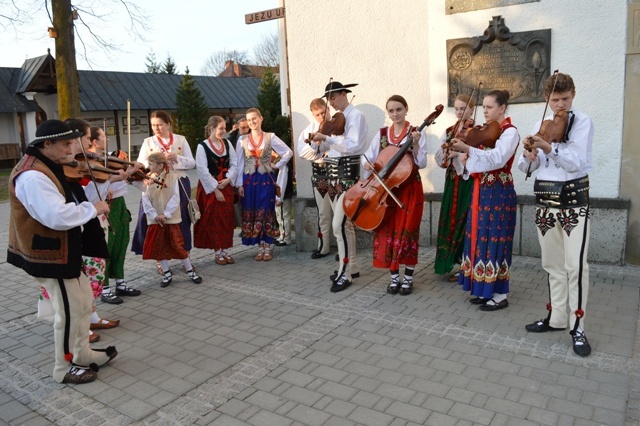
<point x="104" y="324"/>
<point x="220" y="260"/>
<point x="94" y="337"/>
<point x="78" y="376"/>
<point x="229" y="259"/>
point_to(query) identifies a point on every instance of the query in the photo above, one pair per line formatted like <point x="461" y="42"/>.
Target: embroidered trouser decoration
<point x="564" y="239"/>
<point x="345" y="234"/>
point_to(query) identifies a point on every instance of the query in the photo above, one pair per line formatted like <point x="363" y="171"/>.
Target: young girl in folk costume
<point x="118" y="233"/>
<point x="257" y="184"/>
<point x="455" y="198"/>
<point x="491" y="220"/>
<point x="395" y="241"/>
<point x="176" y="149"/>
<point x="161" y="203"/>
<point x="217" y="165"/>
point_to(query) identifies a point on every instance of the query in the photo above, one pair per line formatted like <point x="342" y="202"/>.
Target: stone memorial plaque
<point x="458" y="6"/>
<point x="500" y="59"/>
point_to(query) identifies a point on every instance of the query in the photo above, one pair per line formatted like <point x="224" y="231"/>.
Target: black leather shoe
<point x="478" y="300"/>
<point x="123" y="290"/>
<point x="494" y="306"/>
<point x="280" y="243"/>
<point x="394" y="286"/>
<point x="342" y="284"/>
<point x="317" y="255"/>
<point x="407" y="287"/>
<point x="581" y="345"/>
<point x="111" y="298"/>
<point x="541" y="326"/>
<point x="335" y="275"/>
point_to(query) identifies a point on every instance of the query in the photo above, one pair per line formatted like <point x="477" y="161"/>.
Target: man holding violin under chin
<point x="343" y="168"/>
<point x="561" y="188"/>
<point x="45" y="240"/>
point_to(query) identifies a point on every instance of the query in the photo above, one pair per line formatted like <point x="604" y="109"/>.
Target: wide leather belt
<point x="562" y="195"/>
<point x="320" y="170"/>
<point x="343" y="167"/>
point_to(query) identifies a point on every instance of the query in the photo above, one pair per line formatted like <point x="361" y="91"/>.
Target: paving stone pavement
<point x="266" y="343"/>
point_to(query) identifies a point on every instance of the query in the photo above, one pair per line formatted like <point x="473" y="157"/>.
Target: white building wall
<point x="9" y="132"/>
<point x="400" y="48"/>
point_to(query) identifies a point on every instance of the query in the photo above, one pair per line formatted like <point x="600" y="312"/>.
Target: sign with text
<point x="500" y="59"/>
<point x="265" y="15"/>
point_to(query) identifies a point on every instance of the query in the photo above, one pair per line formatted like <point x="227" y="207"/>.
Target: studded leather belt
<point x="562" y="195"/>
<point x="343" y="167"/>
<point x="320" y="170"/>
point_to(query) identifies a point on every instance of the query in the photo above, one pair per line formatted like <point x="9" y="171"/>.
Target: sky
<point x="188" y="30"/>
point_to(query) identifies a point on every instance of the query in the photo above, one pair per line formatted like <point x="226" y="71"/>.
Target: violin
<point x="452" y="132"/>
<point x="484" y="136"/>
<point x="550" y="130"/>
<point x="76" y="170"/>
<point x="334" y="126"/>
<point x="121" y="158"/>
<point x="365" y="203"/>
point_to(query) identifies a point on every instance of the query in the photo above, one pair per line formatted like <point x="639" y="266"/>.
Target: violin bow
<point x="458" y="126"/>
<point x="544" y="114"/>
<point x="93" y="179"/>
<point x="381" y="182"/>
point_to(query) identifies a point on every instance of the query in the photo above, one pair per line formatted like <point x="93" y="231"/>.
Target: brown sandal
<point x="260" y="255"/>
<point x="268" y="254"/>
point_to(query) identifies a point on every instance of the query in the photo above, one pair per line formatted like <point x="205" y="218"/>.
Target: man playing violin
<point x="45" y="240"/>
<point x="343" y="162"/>
<point x="319" y="176"/>
<point x="562" y="212"/>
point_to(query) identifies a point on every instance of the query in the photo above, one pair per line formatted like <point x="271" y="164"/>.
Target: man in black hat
<point x="45" y="240"/>
<point x="343" y="164"/>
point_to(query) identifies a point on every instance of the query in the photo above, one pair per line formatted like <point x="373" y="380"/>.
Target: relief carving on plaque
<point x="500" y="59"/>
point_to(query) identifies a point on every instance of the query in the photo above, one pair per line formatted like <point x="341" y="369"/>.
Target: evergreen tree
<point x="271" y="109"/>
<point x="192" y="113"/>
<point x="153" y="67"/>
<point x="169" y="66"/>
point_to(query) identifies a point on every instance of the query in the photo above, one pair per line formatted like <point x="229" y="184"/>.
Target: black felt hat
<point x="54" y="130"/>
<point x="336" y="86"/>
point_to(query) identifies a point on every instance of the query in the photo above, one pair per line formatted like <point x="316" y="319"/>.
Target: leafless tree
<point x="267" y="51"/>
<point x="12" y="16"/>
<point x="215" y="63"/>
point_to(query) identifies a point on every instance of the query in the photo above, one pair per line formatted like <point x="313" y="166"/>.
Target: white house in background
<point x="28" y="96"/>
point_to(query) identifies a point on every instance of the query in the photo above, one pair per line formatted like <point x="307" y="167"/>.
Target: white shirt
<point x="40" y="196"/>
<point x="180" y="146"/>
<point x="210" y="183"/>
<point x="566" y="161"/>
<point x="277" y="145"/>
<point x="493" y="159"/>
<point x="354" y="139"/>
<point x="419" y="156"/>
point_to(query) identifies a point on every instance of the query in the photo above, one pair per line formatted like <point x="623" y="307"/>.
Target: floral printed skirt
<point x="396" y="240"/>
<point x="486" y="271"/>
<point x="259" y="209"/>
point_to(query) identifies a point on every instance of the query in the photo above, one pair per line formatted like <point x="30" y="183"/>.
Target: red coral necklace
<point x="397" y="139"/>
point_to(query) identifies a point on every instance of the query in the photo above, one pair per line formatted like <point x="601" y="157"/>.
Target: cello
<point x="365" y="203"/>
